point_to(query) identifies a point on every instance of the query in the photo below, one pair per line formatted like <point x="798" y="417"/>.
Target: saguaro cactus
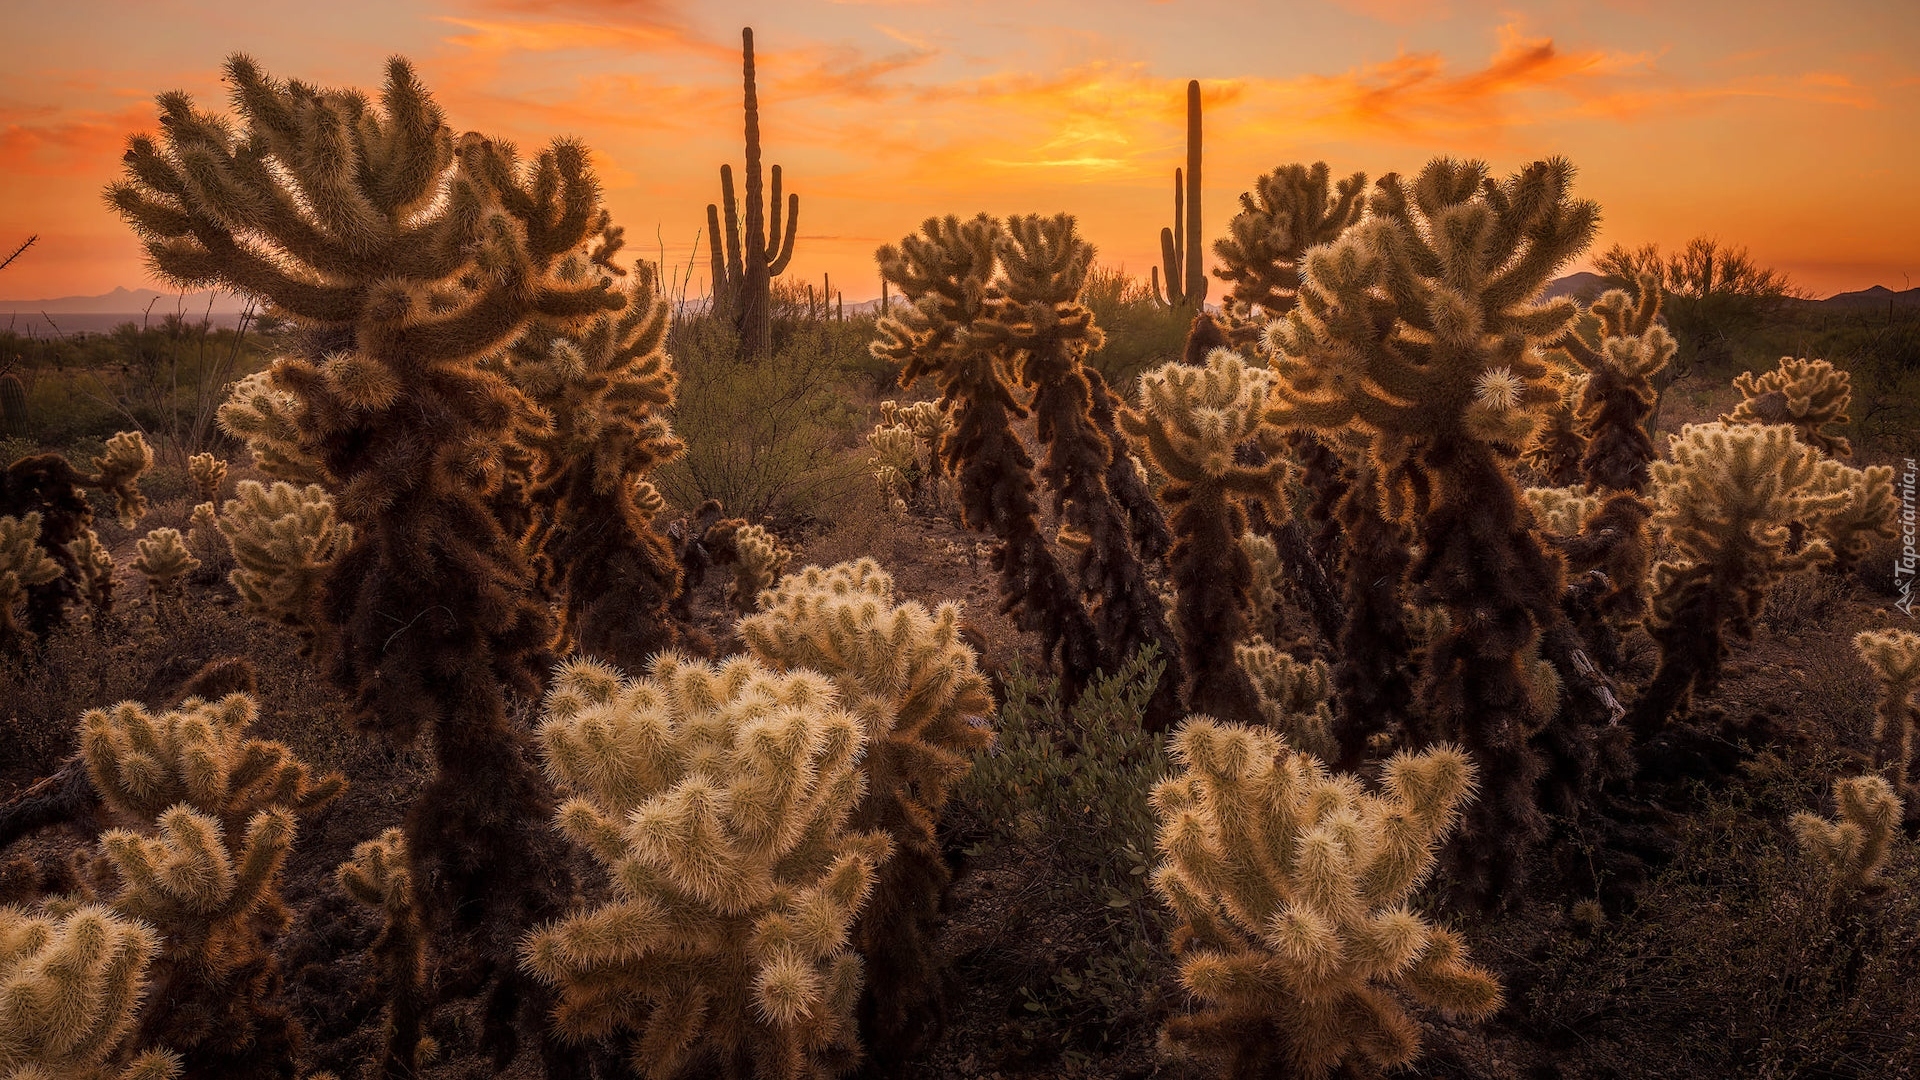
<point x="1180" y="247"/>
<point x="1292" y="887"/>
<point x="743" y="283"/>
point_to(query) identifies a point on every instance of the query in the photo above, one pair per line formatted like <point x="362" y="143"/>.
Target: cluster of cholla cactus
<point x="1417" y="331"/>
<point x="719" y="801"/>
<point x="1726" y="502"/>
<point x="906" y="450"/>
<point x="70" y="994"/>
<point x="377" y="876"/>
<point x="1811" y="395"/>
<point x="285" y="540"/>
<point x="601" y="391"/>
<point x="1854" y="848"/>
<point x="211" y="815"/>
<point x="23" y="564"/>
<point x="759" y="558"/>
<point x="1190" y="423"/>
<point x="207" y="473"/>
<point x="1894" y="658"/>
<point x="995" y="315"/>
<point x="408" y="258"/>
<point x="1291" y="209"/>
<point x="165" y="561"/>
<point x="49" y="485"/>
<point x="1291" y="884"/>
<point x="919" y="694"/>
<point x="1293" y="696"/>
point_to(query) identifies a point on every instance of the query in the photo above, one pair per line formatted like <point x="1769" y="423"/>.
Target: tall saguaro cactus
<point x="743" y="283"/>
<point x="1180" y="251"/>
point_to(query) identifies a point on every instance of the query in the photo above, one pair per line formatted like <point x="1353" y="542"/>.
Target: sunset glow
<point x="1786" y="128"/>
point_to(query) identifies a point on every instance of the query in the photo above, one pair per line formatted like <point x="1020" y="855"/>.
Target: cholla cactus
<point x="267" y="418"/>
<point x="95" y="564"/>
<point x="1812" y="395"/>
<point x="191" y="780"/>
<point x="22" y="564"/>
<point x="70" y="989"/>
<point x="1618" y="394"/>
<point x="759" y="561"/>
<point x="165" y="562"/>
<point x="1293" y="696"/>
<point x="1559" y="444"/>
<point x="1291" y="209"/>
<point x="718" y="800"/>
<point x="919" y="692"/>
<point x="1726" y="502"/>
<point x="1561" y="510"/>
<point x="377" y="876"/>
<point x="202" y="527"/>
<point x="603" y="392"/>
<point x="119" y="469"/>
<point x="895" y="465"/>
<point x="1418" y="332"/>
<point x="1292" y="885"/>
<point x="945" y="273"/>
<point x="1268" y="578"/>
<point x="1190" y="422"/>
<point x="1854" y="848"/>
<point x="207" y="473"/>
<point x="1894" y="656"/>
<point x="286" y="540"/>
<point x="1851" y="530"/>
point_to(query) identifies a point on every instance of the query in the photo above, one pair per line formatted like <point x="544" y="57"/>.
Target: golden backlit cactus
<point x="70" y="992"/>
<point x="1290" y="210"/>
<point x="1559" y="444"/>
<point x="165" y="562"/>
<point x="118" y="470"/>
<point x="1269" y="578"/>
<point x="212" y="814"/>
<point x="1618" y="394"/>
<point x="759" y="561"/>
<point x="603" y="392"/>
<point x="95" y="565"/>
<point x="1418" y="331"/>
<point x="378" y="876"/>
<point x="1854" y="847"/>
<point x="1561" y="510"/>
<point x="1292" y="887"/>
<point x="207" y="473"/>
<point x="199" y="755"/>
<point x="895" y="462"/>
<point x="1894" y="657"/>
<point x="1812" y="395"/>
<point x="1726" y="502"/>
<point x="1293" y="696"/>
<point x="1870" y="514"/>
<point x="203" y="527"/>
<point x="1189" y="422"/>
<point x="919" y="692"/>
<point x="267" y="418"/>
<point x="22" y="564"/>
<point x="285" y="540"/>
<point x="718" y="800"/>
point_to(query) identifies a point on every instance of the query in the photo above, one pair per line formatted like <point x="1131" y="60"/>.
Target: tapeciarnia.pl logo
<point x="1905" y="565"/>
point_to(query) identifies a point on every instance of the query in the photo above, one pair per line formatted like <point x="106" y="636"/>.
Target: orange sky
<point x="1790" y="128"/>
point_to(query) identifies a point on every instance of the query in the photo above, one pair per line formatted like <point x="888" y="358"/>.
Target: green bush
<point x="1064" y="794"/>
<point x="769" y="439"/>
<point x="1141" y="334"/>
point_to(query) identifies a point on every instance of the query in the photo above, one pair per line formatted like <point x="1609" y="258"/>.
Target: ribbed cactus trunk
<point x="1181" y="252"/>
<point x="756" y="319"/>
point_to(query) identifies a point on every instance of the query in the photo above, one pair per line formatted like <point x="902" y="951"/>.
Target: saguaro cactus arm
<point x="1181" y="250"/>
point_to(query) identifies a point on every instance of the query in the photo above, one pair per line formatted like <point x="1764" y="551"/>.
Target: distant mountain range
<point x="134" y="304"/>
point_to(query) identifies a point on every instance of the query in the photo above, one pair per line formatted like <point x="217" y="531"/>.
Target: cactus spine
<point x="1181" y="252"/>
<point x="1292" y="885"/>
<point x="718" y="801"/>
<point x="757" y="255"/>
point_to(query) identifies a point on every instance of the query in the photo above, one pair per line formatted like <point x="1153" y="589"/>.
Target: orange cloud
<point x="54" y="142"/>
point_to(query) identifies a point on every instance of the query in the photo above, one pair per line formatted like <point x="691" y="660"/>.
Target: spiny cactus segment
<point x="286" y="540"/>
<point x="1853" y="848"/>
<point x="22" y="563"/>
<point x="1811" y="395"/>
<point x="70" y="990"/>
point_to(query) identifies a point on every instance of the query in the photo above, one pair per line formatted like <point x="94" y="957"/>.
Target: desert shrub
<point x="1735" y="963"/>
<point x="767" y="438"/>
<point x="1064" y="795"/>
<point x="1141" y="333"/>
<point x="1802" y="602"/>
